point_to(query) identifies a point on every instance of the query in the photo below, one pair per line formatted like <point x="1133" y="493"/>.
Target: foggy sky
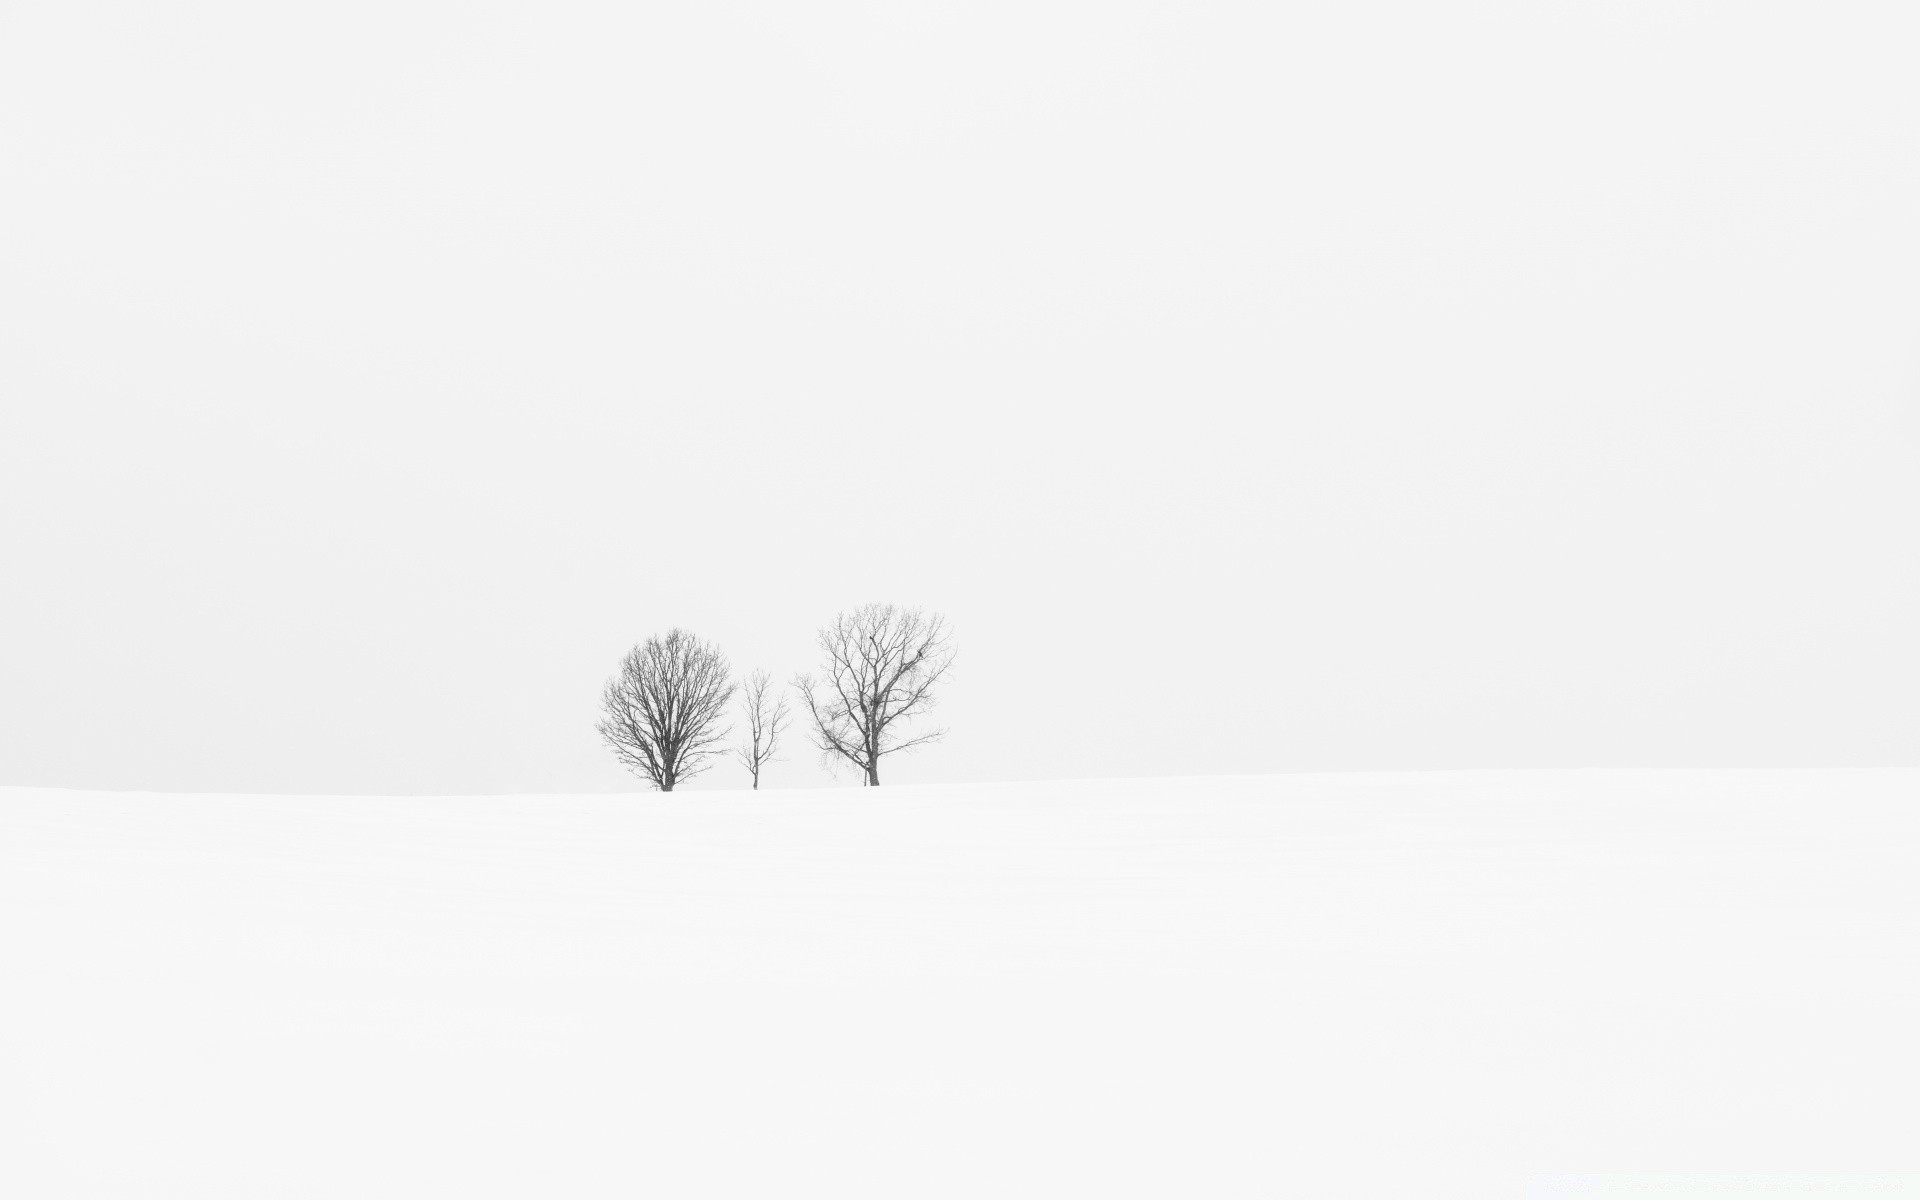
<point x="1254" y="387"/>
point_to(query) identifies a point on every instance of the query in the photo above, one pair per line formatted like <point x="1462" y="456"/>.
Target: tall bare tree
<point x="663" y="708"/>
<point x="766" y="718"/>
<point x="881" y="667"/>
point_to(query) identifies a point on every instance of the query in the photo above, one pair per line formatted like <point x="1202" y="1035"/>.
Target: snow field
<point x="1461" y="984"/>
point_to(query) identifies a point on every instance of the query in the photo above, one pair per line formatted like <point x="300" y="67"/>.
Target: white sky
<point x="1256" y="387"/>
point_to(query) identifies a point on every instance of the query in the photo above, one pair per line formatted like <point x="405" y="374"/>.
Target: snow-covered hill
<point x="1302" y="987"/>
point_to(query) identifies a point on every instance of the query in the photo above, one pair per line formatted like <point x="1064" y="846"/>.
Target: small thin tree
<point x="882" y="664"/>
<point x="663" y="709"/>
<point x="766" y="714"/>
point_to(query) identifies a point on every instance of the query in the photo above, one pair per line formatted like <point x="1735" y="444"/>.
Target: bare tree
<point x="766" y="717"/>
<point x="882" y="664"/>
<point x="663" y="709"/>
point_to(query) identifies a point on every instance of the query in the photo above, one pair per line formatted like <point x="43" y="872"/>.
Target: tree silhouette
<point x="663" y="708"/>
<point x="881" y="666"/>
